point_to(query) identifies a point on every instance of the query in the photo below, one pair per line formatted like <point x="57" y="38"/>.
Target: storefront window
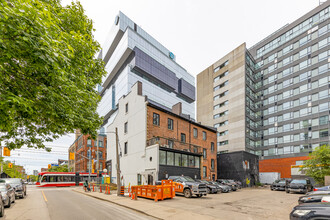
<point x="170" y="158"/>
<point x="162" y="157"/>
<point x="184" y="160"/>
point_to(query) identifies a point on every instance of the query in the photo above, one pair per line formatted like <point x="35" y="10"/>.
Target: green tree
<point x="48" y="72"/>
<point x="33" y="178"/>
<point x="62" y="168"/>
<point x="12" y="172"/>
<point x="318" y="166"/>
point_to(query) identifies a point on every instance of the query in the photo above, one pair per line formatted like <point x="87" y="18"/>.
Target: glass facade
<point x="292" y="92"/>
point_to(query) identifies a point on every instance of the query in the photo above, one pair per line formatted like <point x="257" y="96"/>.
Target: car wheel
<point x="14" y="199"/>
<point x="22" y="196"/>
<point x="305" y="191"/>
<point x="9" y="203"/>
<point x="187" y="193"/>
<point x="287" y="191"/>
<point x="208" y="191"/>
<point x="271" y="189"/>
<point x="199" y="195"/>
<point x="2" y="211"/>
<point x="25" y="193"/>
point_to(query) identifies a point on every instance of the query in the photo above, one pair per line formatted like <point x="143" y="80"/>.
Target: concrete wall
<point x="235" y="97"/>
<point x="327" y="180"/>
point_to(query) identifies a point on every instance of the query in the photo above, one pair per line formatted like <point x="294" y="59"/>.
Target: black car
<point x="318" y="210"/>
<point x="18" y="185"/>
<point x="8" y="194"/>
<point x="211" y="188"/>
<point x="299" y="185"/>
<point x="279" y="185"/>
<point x="312" y="198"/>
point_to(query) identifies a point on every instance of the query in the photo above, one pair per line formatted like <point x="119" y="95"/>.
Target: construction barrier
<point x="159" y="192"/>
<point x="122" y="190"/>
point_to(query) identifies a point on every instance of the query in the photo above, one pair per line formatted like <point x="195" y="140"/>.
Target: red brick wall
<point x="280" y="165"/>
<point x="183" y="126"/>
<point x="81" y="164"/>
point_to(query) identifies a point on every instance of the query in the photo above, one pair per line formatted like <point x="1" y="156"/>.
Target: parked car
<point x="226" y="182"/>
<point x="299" y="185"/>
<point x="2" y="207"/>
<point x="235" y="183"/>
<point x="211" y="188"/>
<point x="223" y="188"/>
<point x="324" y="188"/>
<point x="18" y="185"/>
<point x="312" y="198"/>
<point x="280" y="184"/>
<point x="318" y="210"/>
<point x="188" y="187"/>
<point x="8" y="194"/>
<point x="318" y="192"/>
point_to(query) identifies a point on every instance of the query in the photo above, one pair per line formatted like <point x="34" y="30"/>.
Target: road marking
<point x="44" y="195"/>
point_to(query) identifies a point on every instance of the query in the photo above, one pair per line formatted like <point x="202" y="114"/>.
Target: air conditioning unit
<point x="166" y="145"/>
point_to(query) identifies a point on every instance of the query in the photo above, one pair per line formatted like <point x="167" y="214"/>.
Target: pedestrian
<point x="85" y="185"/>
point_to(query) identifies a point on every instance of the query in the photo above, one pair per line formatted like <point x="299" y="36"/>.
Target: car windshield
<point x="299" y="181"/>
<point x="282" y="181"/>
<point x="3" y="188"/>
<point x="13" y="181"/>
<point x="231" y="181"/>
<point x="225" y="181"/>
<point x="187" y="178"/>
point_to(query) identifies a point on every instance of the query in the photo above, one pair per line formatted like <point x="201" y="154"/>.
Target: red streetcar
<point x="59" y="179"/>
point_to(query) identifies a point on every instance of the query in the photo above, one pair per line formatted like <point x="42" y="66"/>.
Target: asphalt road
<point x="63" y="203"/>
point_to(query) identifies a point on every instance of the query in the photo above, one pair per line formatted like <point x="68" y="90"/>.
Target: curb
<point x="136" y="210"/>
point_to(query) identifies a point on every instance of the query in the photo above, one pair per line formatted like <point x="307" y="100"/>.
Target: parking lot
<point x="243" y="204"/>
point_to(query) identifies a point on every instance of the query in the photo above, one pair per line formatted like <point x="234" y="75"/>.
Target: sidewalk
<point x="146" y="206"/>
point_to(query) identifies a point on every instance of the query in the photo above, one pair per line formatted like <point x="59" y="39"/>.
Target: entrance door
<point x="150" y="179"/>
<point x="213" y="177"/>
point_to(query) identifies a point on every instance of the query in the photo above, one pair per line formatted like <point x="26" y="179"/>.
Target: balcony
<point x="175" y="144"/>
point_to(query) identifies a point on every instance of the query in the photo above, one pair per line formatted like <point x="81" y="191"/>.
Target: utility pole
<point x="118" y="164"/>
<point x="97" y="155"/>
<point x="90" y="163"/>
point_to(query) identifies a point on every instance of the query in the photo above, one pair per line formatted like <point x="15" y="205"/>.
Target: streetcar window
<point x="44" y="179"/>
<point x="53" y="179"/>
<point x="60" y="179"/>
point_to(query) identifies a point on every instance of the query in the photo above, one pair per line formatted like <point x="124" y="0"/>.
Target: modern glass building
<point x="130" y="55"/>
<point x="273" y="98"/>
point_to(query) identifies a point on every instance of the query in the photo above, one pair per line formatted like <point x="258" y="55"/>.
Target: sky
<point x="198" y="32"/>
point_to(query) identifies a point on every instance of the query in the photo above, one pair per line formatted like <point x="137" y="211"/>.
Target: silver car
<point x="8" y="194"/>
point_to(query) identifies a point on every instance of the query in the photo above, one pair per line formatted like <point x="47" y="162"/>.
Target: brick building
<point x="156" y="142"/>
<point x="83" y="147"/>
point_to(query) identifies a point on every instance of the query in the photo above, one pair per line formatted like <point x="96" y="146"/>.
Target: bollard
<point x="100" y="188"/>
<point x="93" y="188"/>
<point x="129" y="190"/>
<point x="106" y="190"/>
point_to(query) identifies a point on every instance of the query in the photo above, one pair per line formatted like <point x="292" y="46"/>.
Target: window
<point x="139" y="179"/>
<point x="170" y="158"/>
<point x="177" y="160"/>
<point x="220" y="105"/>
<point x="221" y="66"/>
<point x="183" y="137"/>
<point x="324" y="120"/>
<point x="170" y="123"/>
<point x="220" y="86"/>
<point x="223" y="133"/>
<point x="155" y="120"/>
<point x="197" y="162"/>
<point x="212" y="164"/>
<point x="126" y="107"/>
<point x="221" y="143"/>
<point x="184" y="160"/>
<point x="204" y="172"/>
<point x="125" y="148"/>
<point x="195" y="132"/>
<point x="324" y="133"/>
<point x="125" y="127"/>
<point x="170" y="143"/>
<point x="204" y="153"/>
<point x="89" y="142"/>
<point x="204" y="135"/>
<point x="220" y="76"/>
<point x="100" y="143"/>
<point x="100" y="155"/>
<point x="212" y="147"/>
<point x="162" y="157"/>
<point x="220" y="95"/>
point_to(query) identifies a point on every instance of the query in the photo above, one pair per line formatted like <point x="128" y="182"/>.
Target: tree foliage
<point x="48" y="72"/>
<point x="12" y="172"/>
<point x="318" y="166"/>
<point x="61" y="168"/>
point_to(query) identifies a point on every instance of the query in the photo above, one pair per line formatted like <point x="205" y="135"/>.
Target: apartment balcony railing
<point x="175" y="144"/>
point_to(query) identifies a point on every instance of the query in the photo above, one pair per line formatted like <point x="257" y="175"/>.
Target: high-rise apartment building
<point x="130" y="55"/>
<point x="273" y="98"/>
